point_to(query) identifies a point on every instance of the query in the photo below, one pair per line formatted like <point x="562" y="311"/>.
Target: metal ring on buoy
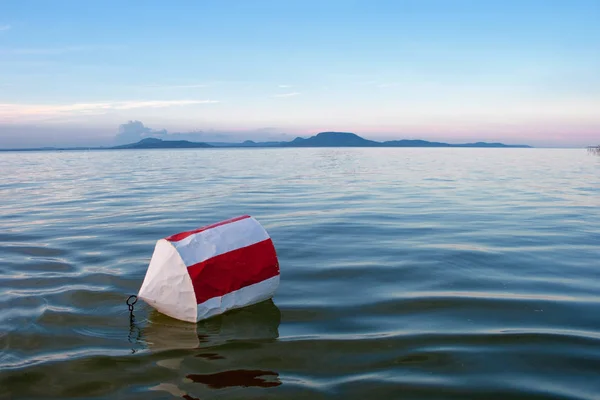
<point x="129" y="298"/>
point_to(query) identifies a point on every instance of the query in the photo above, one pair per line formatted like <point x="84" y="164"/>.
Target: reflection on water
<point x="240" y="377"/>
<point x="255" y="324"/>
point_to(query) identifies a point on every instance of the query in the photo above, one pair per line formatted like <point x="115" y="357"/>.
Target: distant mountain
<point x="323" y="139"/>
<point x="153" y="143"/>
<point x="424" y="143"/>
<point x="247" y="143"/>
<point x="332" y="139"/>
<point x="346" y="139"/>
<point x="413" y="143"/>
<point x="484" y="144"/>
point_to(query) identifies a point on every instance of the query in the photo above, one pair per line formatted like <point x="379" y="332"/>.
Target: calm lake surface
<point x="406" y="274"/>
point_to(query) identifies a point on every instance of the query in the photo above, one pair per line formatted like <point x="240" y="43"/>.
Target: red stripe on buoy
<point x="234" y="270"/>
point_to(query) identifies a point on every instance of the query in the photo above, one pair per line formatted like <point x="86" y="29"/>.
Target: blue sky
<point x="71" y="72"/>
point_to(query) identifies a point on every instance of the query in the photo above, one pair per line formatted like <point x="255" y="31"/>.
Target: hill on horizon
<point x="322" y="139"/>
<point x="154" y="143"/>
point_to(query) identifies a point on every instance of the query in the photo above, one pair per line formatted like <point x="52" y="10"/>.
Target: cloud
<point x="55" y="50"/>
<point x="285" y="86"/>
<point x="37" y="135"/>
<point x="128" y="105"/>
<point x="134" y="131"/>
<point x="43" y="51"/>
<point x="89" y="133"/>
<point x="291" y="94"/>
<point x="5" y="27"/>
<point x="388" y="85"/>
<point x="193" y="85"/>
<point x="36" y="111"/>
<point x="206" y="84"/>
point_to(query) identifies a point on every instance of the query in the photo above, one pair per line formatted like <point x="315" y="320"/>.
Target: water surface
<point x="406" y="273"/>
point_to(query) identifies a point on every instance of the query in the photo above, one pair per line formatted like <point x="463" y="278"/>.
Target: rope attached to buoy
<point x="130" y="304"/>
<point x="134" y="331"/>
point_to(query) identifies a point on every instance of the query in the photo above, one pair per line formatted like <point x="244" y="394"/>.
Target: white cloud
<point x="189" y="86"/>
<point x="291" y="94"/>
<point x="54" y="50"/>
<point x="43" y="51"/>
<point x="388" y="85"/>
<point x="18" y="112"/>
<point x="285" y="86"/>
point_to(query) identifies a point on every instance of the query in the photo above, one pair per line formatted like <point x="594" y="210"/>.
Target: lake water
<point x="406" y="274"/>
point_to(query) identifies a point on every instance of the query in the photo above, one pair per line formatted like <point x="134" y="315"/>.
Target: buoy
<point x="198" y="274"/>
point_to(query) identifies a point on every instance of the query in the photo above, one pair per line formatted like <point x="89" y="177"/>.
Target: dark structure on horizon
<point x="594" y="150"/>
<point x="323" y="139"/>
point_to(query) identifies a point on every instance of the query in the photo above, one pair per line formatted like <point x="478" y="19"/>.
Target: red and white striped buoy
<point x="197" y="274"/>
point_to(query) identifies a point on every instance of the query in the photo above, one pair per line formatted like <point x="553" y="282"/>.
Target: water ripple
<point x="406" y="273"/>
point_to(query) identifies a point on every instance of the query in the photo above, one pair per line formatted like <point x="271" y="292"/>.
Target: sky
<point x="101" y="72"/>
